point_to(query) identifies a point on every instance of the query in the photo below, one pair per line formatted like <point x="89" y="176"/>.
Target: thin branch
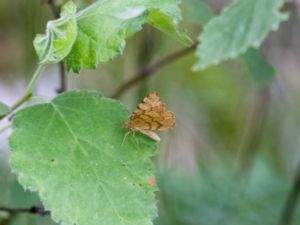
<point x="63" y="82"/>
<point x="62" y="70"/>
<point x="151" y="69"/>
<point x="288" y="211"/>
<point x="39" y="210"/>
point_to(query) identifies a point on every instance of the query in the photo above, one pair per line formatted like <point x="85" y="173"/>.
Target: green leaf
<point x="73" y="151"/>
<point x="60" y="36"/>
<point x="241" y="25"/>
<point x="4" y="109"/>
<point x="104" y="26"/>
<point x="164" y="22"/>
<point x="259" y="69"/>
<point x="198" y="11"/>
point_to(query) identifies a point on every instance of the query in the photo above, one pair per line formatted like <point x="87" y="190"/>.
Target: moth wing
<point x="160" y="120"/>
<point x="151" y="134"/>
<point x="151" y="115"/>
<point x="138" y="122"/>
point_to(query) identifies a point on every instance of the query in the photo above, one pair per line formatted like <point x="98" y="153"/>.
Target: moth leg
<point x="133" y="135"/>
<point x="125" y="136"/>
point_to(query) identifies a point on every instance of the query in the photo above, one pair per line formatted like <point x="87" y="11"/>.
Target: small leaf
<point x="259" y="69"/>
<point x="73" y="152"/>
<point x="241" y="25"/>
<point x="60" y="36"/>
<point x="165" y="23"/>
<point x="104" y="26"/>
<point x="4" y="109"/>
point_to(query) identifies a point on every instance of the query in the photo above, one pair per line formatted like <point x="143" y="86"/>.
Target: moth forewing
<point x="151" y="115"/>
<point x="151" y="134"/>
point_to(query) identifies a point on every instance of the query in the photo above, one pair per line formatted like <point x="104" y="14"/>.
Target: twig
<point x="289" y="208"/>
<point x="32" y="210"/>
<point x="151" y="69"/>
<point x="62" y="70"/>
<point x="63" y="83"/>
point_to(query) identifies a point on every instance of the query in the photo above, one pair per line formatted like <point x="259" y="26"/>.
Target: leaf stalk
<point x="34" y="79"/>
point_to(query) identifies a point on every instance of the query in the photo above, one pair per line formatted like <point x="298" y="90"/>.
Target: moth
<point x="151" y="115"/>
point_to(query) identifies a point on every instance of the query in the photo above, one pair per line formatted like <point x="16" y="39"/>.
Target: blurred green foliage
<point x="217" y="195"/>
<point x="216" y="111"/>
<point x="258" y="68"/>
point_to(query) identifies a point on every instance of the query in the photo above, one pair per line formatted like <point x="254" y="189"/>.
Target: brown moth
<point x="151" y="115"/>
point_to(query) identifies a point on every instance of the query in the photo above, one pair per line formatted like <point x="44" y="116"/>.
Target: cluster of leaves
<point x="72" y="149"/>
<point x="97" y="33"/>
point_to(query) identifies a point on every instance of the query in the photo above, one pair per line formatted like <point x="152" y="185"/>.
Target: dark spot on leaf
<point x="52" y="160"/>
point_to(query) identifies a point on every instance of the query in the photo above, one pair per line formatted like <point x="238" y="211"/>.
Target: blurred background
<point x="233" y="155"/>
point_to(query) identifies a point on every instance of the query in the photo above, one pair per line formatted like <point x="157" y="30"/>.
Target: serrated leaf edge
<point x="282" y="16"/>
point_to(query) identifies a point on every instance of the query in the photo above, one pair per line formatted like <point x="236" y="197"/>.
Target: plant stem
<point x="63" y="83"/>
<point x="151" y="69"/>
<point x="29" y="89"/>
<point x="25" y="98"/>
<point x="32" y="210"/>
<point x="34" y="79"/>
